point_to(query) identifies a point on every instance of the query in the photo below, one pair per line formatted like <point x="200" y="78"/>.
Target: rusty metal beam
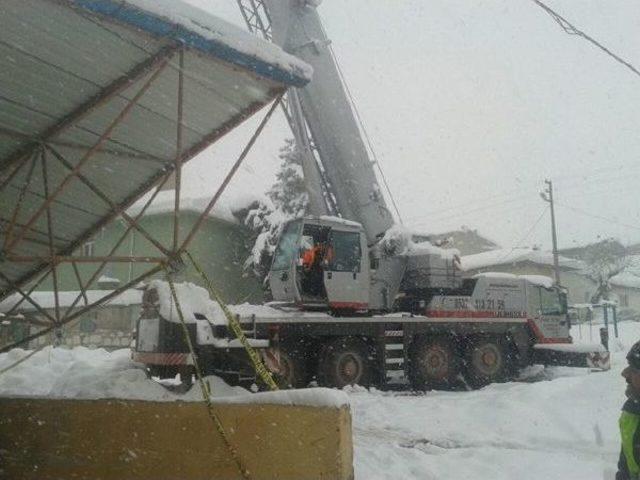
<point x="26" y="297"/>
<point x="21" y="195"/>
<point x="78" y="146"/>
<point x="83" y="291"/>
<point x="227" y="127"/>
<point x="230" y="175"/>
<point x="54" y="268"/>
<point x="110" y="91"/>
<point x="120" y="241"/>
<point x="105" y="198"/>
<point x="11" y="176"/>
<point x="70" y="318"/>
<point x="67" y="259"/>
<point x="33" y="287"/>
<point x="105" y="135"/>
<point x="36" y="232"/>
<point x="178" y="159"/>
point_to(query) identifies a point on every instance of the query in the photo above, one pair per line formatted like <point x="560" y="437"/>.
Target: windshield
<point x="287" y="247"/>
<point x="552" y="302"/>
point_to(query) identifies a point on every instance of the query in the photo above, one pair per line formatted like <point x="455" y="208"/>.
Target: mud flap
<point x="594" y="357"/>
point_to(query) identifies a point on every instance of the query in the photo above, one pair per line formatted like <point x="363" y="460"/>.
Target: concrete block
<point x="115" y="439"/>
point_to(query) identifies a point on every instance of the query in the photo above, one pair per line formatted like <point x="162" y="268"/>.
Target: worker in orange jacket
<point x="314" y="256"/>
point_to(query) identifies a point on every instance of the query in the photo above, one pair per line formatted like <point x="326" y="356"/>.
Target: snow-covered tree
<point x="604" y="260"/>
<point x="286" y="199"/>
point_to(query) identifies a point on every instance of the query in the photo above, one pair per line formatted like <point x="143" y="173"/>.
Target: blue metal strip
<point x="148" y="22"/>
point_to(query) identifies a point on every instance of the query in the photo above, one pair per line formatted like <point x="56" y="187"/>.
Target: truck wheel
<point x="293" y="372"/>
<point x="434" y="364"/>
<point x="486" y="361"/>
<point x="345" y="361"/>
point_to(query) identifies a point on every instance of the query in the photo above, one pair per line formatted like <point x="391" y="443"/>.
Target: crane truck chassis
<point x="484" y="330"/>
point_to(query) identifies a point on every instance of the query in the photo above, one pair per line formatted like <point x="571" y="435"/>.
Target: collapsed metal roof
<point x="99" y="100"/>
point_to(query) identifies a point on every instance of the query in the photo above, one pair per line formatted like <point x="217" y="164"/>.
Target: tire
<point x="293" y="371"/>
<point x="435" y="364"/>
<point x="345" y="361"/>
<point x="486" y="361"/>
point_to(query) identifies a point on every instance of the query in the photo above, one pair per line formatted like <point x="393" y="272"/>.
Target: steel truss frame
<point x="44" y="148"/>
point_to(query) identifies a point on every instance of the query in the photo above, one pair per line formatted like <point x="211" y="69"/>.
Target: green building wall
<point x="219" y="247"/>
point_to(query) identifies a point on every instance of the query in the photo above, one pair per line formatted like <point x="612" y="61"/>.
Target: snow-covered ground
<point x="555" y="423"/>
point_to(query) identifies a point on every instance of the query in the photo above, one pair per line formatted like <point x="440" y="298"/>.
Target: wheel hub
<point x="436" y="362"/>
<point x="350" y="368"/>
<point x="487" y="359"/>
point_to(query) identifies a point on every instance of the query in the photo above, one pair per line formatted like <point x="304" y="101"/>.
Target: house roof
<point x="224" y="209"/>
<point x="69" y="69"/>
<point x="516" y="255"/>
<point x="46" y="299"/>
<point x="467" y="241"/>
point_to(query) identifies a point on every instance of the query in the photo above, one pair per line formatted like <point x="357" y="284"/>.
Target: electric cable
<point x="599" y="217"/>
<point x="572" y="30"/>
<point x="362" y="127"/>
<point x="525" y="236"/>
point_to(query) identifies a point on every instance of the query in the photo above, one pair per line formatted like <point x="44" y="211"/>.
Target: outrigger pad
<point x="593" y="356"/>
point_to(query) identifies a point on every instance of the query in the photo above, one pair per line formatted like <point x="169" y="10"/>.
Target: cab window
<point x="287" y="247"/>
<point x="346" y="252"/>
<point x="551" y="302"/>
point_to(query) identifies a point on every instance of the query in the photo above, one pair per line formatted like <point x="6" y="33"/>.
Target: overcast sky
<point x="471" y="104"/>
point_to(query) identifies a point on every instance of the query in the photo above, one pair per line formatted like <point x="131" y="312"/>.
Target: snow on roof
<point x="205" y="32"/>
<point x="400" y="239"/>
<point x="340" y="220"/>
<point x="46" y="299"/>
<point x="224" y="208"/>
<point x="516" y="255"/>
<point x="540" y="280"/>
<point x="625" y="279"/>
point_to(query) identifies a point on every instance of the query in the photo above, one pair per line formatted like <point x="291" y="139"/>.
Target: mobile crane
<point x="374" y="306"/>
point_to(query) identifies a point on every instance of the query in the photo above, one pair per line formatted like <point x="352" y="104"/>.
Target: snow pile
<point x="84" y="373"/>
<point x="89" y="374"/>
<point x="213" y="28"/>
<point x="398" y="240"/>
<point x="194" y="303"/>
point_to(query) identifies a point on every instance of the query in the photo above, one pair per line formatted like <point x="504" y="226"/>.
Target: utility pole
<point x="547" y="196"/>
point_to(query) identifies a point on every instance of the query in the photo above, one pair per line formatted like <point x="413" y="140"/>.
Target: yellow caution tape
<point x="259" y="367"/>
<point x="204" y="387"/>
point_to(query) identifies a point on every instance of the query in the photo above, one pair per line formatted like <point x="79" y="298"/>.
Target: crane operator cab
<point x="322" y="263"/>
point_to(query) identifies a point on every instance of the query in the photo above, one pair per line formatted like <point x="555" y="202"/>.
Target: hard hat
<point x="633" y="357"/>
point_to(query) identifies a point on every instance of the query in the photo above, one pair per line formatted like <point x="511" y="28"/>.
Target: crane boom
<point x="345" y="164"/>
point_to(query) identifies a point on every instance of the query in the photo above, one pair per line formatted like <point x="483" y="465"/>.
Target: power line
<point x="525" y="236"/>
<point x="599" y="217"/>
<point x="571" y="30"/>
<point x="508" y="202"/>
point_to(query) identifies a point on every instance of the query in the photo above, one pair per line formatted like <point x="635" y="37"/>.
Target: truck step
<point x="394" y="333"/>
<point x="394" y="355"/>
<point x="394" y="361"/>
